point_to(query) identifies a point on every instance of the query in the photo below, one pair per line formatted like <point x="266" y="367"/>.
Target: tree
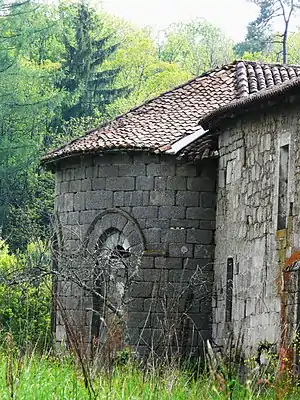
<point x="89" y="87"/>
<point x="270" y="10"/>
<point x="142" y="69"/>
<point x="196" y="46"/>
<point x="28" y="101"/>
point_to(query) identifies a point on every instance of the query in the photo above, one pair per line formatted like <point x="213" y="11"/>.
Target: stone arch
<point x="116" y="243"/>
<point x="115" y="219"/>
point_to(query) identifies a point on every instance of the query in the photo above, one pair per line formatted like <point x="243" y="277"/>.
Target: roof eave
<point x="237" y="106"/>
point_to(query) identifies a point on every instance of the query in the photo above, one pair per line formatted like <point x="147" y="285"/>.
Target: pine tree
<point x="89" y="86"/>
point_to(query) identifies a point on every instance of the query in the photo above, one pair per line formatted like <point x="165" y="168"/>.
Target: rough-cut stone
<point x="190" y="198"/>
<point x="112" y="194"/>
<point x="123" y="183"/>
<point x="144" y="183"/>
<point x="163" y="198"/>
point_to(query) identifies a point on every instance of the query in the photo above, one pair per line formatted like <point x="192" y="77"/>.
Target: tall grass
<point x="47" y="377"/>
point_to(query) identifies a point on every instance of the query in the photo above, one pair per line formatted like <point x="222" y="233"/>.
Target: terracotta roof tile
<point x="174" y="114"/>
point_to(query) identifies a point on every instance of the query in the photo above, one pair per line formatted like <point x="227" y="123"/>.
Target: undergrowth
<point x="47" y="377"/>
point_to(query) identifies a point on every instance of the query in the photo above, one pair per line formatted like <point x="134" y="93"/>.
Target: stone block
<point x="124" y="183"/>
<point x="136" y="304"/>
<point x="98" y="183"/>
<point x="79" y="173"/>
<point x="153" y="305"/>
<point x="137" y="319"/>
<point x="87" y="217"/>
<point x="203" y="264"/>
<point x="118" y="199"/>
<point x="160" y="169"/>
<point x="164" y="198"/>
<point x="69" y="174"/>
<point x="74" y="186"/>
<point x="79" y="201"/>
<point x="69" y="201"/>
<point x="147" y="262"/>
<point x="141" y="289"/>
<point x="175" y="236"/>
<point x="209" y="225"/>
<point x="145" y="212"/>
<point x="181" y="250"/>
<point x="160" y="183"/>
<point x="60" y="203"/>
<point x="180" y="275"/>
<point x="86" y="184"/>
<point x="90" y="172"/>
<point x="201" y="184"/>
<point x="187" y="199"/>
<point x="176" y="183"/>
<point x="144" y="183"/>
<point x="137" y="169"/>
<point x="169" y="212"/>
<point x="152" y="235"/>
<point x="200" y="213"/>
<point x="133" y="198"/>
<point x="168" y="262"/>
<point x="184" y="223"/>
<point x="157" y="223"/>
<point x="64" y="187"/>
<point x="186" y="170"/>
<point x="99" y="200"/>
<point x="158" y="275"/>
<point x="73" y="218"/>
<point x="204" y="251"/>
<point x="199" y="236"/>
<point x="208" y="200"/>
<point x="108" y="171"/>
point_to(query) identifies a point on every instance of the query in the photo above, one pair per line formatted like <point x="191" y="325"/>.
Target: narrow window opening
<point x="283" y="187"/>
<point x="229" y="290"/>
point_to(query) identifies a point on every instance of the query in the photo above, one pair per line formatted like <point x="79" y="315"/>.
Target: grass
<point x="41" y="377"/>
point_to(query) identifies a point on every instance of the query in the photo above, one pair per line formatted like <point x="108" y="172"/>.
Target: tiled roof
<point x="165" y="119"/>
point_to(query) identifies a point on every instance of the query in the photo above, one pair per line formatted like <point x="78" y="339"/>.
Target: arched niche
<point x="114" y="244"/>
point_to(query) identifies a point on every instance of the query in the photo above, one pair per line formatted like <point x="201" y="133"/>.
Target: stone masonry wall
<point x="246" y="227"/>
<point x="172" y="205"/>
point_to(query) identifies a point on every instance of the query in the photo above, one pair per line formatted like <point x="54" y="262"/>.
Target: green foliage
<point x="197" y="46"/>
<point x="90" y="87"/>
<point x="25" y="296"/>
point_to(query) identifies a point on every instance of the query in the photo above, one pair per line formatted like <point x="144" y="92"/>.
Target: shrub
<point x="25" y="295"/>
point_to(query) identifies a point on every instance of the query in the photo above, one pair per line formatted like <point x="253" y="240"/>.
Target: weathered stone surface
<point x="171" y="212"/>
<point x="144" y="183"/>
<point x="137" y="169"/>
<point x="144" y="208"/>
<point x="145" y="212"/>
<point x="163" y="198"/>
<point x="99" y="200"/>
<point x="176" y="183"/>
<point x="123" y="183"/>
<point x="98" y="183"/>
<point x="108" y="171"/>
<point x="160" y="169"/>
<point x="79" y="201"/>
<point x="199" y="236"/>
<point x="190" y="198"/>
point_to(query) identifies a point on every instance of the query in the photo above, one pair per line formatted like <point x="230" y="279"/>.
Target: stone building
<point x="190" y="202"/>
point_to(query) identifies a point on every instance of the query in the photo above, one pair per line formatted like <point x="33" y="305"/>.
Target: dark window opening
<point x="229" y="290"/>
<point x="283" y="187"/>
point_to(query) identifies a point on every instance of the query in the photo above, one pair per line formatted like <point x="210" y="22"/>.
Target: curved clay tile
<point x="276" y="75"/>
<point x="291" y="72"/>
<point x="260" y="77"/>
<point x="242" y="80"/>
<point x="268" y="76"/>
<point x="284" y="74"/>
<point x="252" y="79"/>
